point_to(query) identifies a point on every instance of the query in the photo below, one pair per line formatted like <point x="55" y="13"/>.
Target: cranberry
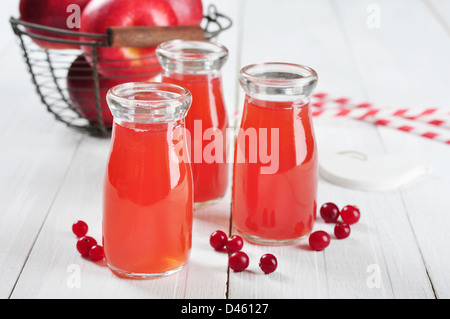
<point x="96" y="253"/>
<point x="218" y="240"/>
<point x="238" y="261"/>
<point x="350" y="215"/>
<point x="80" y="228"/>
<point x="234" y="244"/>
<point x="268" y="263"/>
<point x="329" y="212"/>
<point x="85" y="244"/>
<point x="319" y="240"/>
<point x="342" y="231"/>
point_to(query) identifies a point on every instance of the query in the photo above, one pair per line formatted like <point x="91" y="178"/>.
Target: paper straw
<point x="324" y="100"/>
<point x="377" y="118"/>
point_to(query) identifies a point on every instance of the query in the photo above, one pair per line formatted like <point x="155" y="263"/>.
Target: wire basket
<point x="73" y="83"/>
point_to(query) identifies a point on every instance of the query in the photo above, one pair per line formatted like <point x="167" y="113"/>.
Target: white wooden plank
<point x="31" y="172"/>
<point x="312" y="35"/>
<point x="7" y="9"/>
<point x="37" y="152"/>
<point x="441" y="10"/>
<point x="413" y="52"/>
<point x="396" y="49"/>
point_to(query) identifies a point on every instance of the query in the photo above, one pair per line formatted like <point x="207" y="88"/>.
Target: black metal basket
<point x="72" y="88"/>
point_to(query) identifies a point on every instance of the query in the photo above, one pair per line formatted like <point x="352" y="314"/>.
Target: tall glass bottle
<point x="148" y="192"/>
<point x="276" y="167"/>
<point x="196" y="65"/>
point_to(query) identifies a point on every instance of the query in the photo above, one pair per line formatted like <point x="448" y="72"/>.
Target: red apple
<point x="189" y="12"/>
<point x="99" y="15"/>
<point x="50" y="13"/>
<point x="81" y="87"/>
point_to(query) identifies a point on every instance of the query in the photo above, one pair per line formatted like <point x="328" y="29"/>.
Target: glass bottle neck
<point x="149" y="103"/>
<point x="279" y="82"/>
<point x="192" y="57"/>
<point x="264" y="103"/>
<point x="187" y="77"/>
<point x="151" y="127"/>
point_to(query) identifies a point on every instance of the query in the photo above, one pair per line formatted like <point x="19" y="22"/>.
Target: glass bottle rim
<point x="192" y="56"/>
<point x="289" y="74"/>
<point x="278" y="81"/>
<point x="149" y="102"/>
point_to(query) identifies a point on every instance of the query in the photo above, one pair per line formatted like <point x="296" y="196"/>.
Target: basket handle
<point x="150" y="36"/>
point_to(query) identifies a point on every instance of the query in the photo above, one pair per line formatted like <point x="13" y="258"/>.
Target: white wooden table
<point x="51" y="176"/>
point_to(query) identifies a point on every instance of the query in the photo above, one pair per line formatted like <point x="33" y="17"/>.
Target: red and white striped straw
<point x="433" y="116"/>
<point x="408" y="114"/>
<point x="378" y="118"/>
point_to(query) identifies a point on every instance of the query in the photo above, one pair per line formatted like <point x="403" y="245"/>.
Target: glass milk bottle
<point x="196" y="65"/>
<point x="148" y="190"/>
<point x="276" y="167"/>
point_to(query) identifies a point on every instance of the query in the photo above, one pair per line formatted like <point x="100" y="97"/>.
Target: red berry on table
<point x="238" y="261"/>
<point x="218" y="240"/>
<point x="342" y="231"/>
<point x="329" y="212"/>
<point x="350" y="214"/>
<point x="268" y="263"/>
<point x="80" y="228"/>
<point x="319" y="240"/>
<point x="234" y="244"/>
<point x="85" y="244"/>
<point x="96" y="253"/>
